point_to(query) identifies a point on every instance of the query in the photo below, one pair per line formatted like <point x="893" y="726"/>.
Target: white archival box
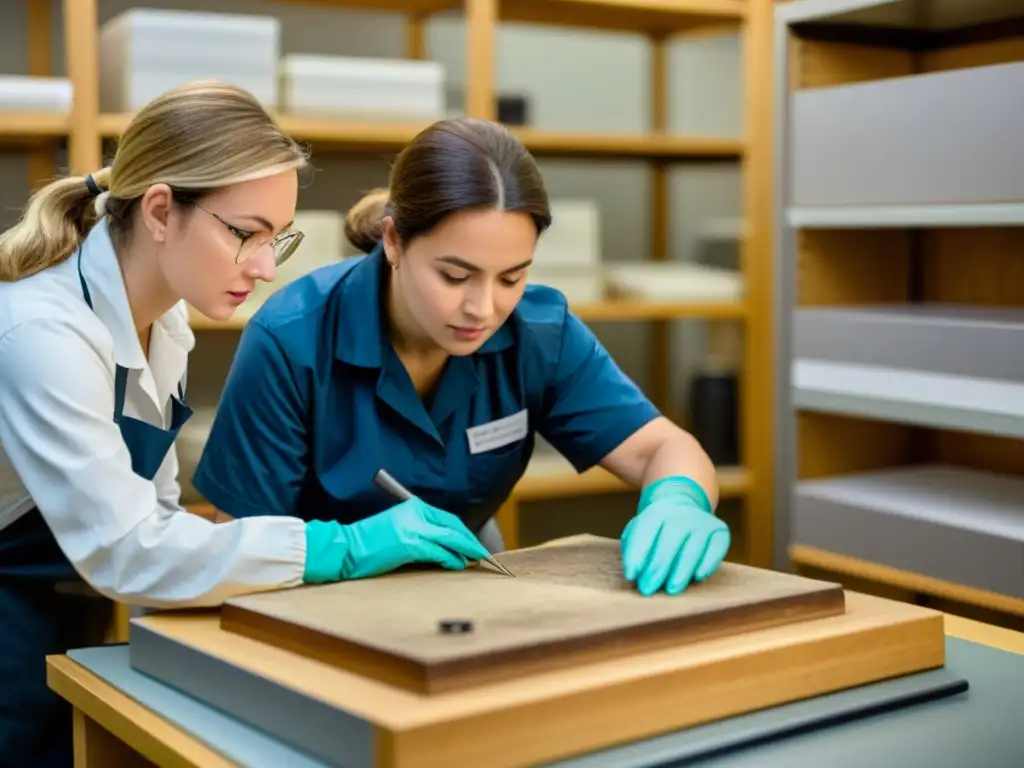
<point x="568" y="254"/>
<point x="29" y="92"/>
<point x="145" y="52"/>
<point x="362" y="88"/>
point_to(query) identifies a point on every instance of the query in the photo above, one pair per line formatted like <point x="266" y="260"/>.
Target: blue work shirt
<point x="317" y="401"/>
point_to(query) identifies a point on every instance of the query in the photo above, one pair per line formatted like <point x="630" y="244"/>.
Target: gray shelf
<point x="906" y="216"/>
<point x="935" y="366"/>
<point x="945" y="138"/>
<point x="900" y="14"/>
<point x="909" y="398"/>
<point x="979" y="343"/>
<point x="952" y="367"/>
<point x="949" y="523"/>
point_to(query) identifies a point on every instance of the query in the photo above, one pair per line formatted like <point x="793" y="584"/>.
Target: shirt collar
<point x="103" y="277"/>
<point x="362" y="330"/>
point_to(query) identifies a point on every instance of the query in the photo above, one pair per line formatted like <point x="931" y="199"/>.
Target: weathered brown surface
<point x="568" y="605"/>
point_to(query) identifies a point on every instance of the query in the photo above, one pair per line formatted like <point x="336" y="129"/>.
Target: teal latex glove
<point x="674" y="539"/>
<point x="409" y="532"/>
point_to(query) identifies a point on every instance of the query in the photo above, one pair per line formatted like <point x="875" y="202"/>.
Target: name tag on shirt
<point x="495" y="434"/>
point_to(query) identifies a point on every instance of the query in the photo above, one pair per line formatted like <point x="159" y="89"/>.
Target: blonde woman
<point x="94" y="338"/>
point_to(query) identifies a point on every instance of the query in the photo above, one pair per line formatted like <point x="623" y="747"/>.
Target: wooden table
<point x="111" y="729"/>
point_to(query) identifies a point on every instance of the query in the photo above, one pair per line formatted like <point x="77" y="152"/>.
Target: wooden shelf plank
<point x="658" y="17"/>
<point x="655" y="17"/>
<point x="18" y="128"/>
<point x="348" y="136"/>
<point x="415" y="7"/>
<point x="337" y="134"/>
<point x="654" y="144"/>
<point x="557" y="480"/>
<point x="608" y="311"/>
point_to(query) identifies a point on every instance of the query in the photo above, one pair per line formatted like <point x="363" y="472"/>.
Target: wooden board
<point x="567" y="712"/>
<point x="568" y="605"/>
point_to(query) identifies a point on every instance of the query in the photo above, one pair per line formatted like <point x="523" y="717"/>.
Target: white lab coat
<point x="61" y="451"/>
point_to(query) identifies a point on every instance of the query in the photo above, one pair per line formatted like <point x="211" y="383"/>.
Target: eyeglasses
<point x="284" y="245"/>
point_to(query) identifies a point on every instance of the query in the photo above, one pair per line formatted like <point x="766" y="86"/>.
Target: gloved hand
<point x="409" y="532"/>
<point x="675" y="537"/>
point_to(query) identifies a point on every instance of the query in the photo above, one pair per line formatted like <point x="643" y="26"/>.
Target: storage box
<point x="945" y="339"/>
<point x="145" y="52"/>
<point x="952" y="367"/>
<point x="44" y="94"/>
<point x="581" y="285"/>
<point x="673" y="281"/>
<point x="943" y="138"/>
<point x="574" y="238"/>
<point x="362" y="88"/>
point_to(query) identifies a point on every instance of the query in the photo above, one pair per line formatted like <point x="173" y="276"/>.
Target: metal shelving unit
<point x="899" y="298"/>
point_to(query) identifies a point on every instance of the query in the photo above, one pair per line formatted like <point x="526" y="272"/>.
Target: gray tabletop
<point x="981" y="728"/>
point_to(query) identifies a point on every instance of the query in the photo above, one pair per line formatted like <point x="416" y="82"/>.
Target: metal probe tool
<point x="389" y="484"/>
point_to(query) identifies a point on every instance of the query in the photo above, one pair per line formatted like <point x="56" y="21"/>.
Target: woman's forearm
<point x="679" y="453"/>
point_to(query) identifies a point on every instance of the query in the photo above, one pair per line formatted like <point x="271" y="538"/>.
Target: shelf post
<point x="416" y="37"/>
<point x="660" y="363"/>
<point x="41" y="166"/>
<point x="81" y="54"/>
<point x="756" y="257"/>
<point x="481" y="36"/>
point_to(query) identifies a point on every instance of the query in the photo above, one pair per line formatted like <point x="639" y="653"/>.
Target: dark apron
<point x="40" y="615"/>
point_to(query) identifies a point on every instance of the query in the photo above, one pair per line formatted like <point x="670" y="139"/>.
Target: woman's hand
<point x="409" y="532"/>
<point x="674" y="538"/>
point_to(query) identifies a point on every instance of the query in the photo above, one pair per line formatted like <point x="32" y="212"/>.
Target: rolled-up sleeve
<point x="257" y="454"/>
<point x="591" y="404"/>
<point x="56" y="426"/>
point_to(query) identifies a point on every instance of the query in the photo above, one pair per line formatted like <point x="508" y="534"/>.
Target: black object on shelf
<point x="714" y="415"/>
<point x="513" y="109"/>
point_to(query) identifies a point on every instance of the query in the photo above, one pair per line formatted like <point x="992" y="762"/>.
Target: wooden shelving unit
<point x="85" y="129"/>
<point x="900" y="258"/>
<point x="339" y="136"/>
<point x="604" y="312"/>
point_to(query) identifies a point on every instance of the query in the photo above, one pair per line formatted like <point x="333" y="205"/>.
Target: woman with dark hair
<point x="432" y="358"/>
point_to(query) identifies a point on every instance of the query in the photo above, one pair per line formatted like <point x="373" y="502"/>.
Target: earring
<point x="394" y="266"/>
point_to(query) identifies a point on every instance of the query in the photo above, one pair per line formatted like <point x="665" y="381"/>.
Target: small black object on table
<point x="455" y="626"/>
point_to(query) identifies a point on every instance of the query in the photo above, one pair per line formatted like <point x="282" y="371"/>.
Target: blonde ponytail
<point x="56" y="219"/>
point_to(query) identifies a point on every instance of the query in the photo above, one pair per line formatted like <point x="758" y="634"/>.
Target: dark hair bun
<point x="363" y="221"/>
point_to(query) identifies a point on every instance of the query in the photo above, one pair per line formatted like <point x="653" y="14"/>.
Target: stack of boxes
<point x="144" y="52"/>
<point x="568" y="255"/>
